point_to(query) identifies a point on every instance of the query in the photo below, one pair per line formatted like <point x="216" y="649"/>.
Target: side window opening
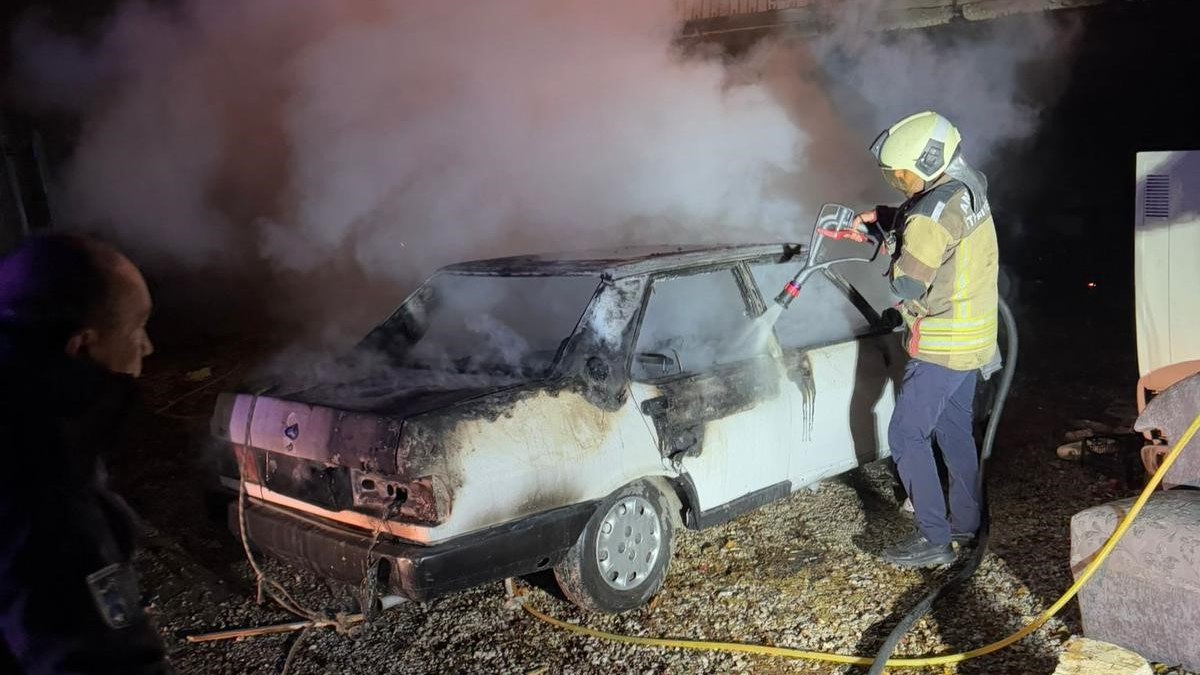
<point x="871" y="282"/>
<point x="822" y="314"/>
<point x="865" y="307"/>
<point x="693" y="324"/>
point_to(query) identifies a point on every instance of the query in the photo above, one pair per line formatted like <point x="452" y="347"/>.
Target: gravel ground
<point x="799" y="573"/>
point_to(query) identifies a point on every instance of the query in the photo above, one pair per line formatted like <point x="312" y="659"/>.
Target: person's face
<point x="905" y="182"/>
<point x="120" y="343"/>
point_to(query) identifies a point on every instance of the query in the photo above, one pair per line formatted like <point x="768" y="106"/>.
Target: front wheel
<point x="621" y="558"/>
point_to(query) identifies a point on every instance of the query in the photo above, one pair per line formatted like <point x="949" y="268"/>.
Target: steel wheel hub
<point x="628" y="543"/>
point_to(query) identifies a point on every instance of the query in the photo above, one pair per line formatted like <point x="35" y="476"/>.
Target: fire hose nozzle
<point x="789" y="293"/>
<point x="834" y="222"/>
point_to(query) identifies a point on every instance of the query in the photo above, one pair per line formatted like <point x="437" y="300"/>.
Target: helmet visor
<point x="877" y="146"/>
<point x="893" y="180"/>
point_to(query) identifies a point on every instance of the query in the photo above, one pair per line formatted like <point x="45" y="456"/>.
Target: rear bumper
<point x="414" y="571"/>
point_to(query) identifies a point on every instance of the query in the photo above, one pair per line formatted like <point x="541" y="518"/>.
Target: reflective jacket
<point x="948" y="246"/>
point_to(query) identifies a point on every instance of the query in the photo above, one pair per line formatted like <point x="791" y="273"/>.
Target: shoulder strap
<point x="932" y="203"/>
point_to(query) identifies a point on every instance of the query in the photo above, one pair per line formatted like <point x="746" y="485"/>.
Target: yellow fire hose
<point x="946" y="659"/>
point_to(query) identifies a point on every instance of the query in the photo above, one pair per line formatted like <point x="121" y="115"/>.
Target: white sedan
<point x="569" y="413"/>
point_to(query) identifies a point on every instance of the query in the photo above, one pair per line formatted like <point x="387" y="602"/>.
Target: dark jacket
<point x="69" y="600"/>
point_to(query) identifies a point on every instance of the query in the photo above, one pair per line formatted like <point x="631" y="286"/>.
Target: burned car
<point x="571" y="413"/>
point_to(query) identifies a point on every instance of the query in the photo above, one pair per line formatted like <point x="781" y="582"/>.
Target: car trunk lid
<point x="331" y="439"/>
<point x="315" y="433"/>
<point x="338" y="463"/>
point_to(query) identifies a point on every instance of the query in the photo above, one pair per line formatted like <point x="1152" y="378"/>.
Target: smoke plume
<point x="306" y="153"/>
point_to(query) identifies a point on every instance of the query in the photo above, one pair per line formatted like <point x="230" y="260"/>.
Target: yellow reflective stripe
<point x="972" y="327"/>
<point x="977" y="342"/>
<point x="951" y="336"/>
<point x="954" y="340"/>
<point x="965" y="325"/>
<point x="954" y="324"/>
<point x="983" y="330"/>
<point x="990" y="316"/>
<point x="957" y="349"/>
<point x="955" y="352"/>
<point x="947" y="335"/>
<point x="951" y="352"/>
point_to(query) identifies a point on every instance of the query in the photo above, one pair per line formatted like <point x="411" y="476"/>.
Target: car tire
<point x="621" y="558"/>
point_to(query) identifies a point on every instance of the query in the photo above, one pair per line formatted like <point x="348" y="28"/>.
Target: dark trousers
<point x="935" y="403"/>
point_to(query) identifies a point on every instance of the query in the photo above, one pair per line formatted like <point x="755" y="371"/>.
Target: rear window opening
<point x="464" y="323"/>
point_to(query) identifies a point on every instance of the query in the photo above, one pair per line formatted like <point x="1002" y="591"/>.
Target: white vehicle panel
<point x="773" y="416"/>
<point x="854" y="399"/>
<point x="743" y="452"/>
<point x="824" y="439"/>
<point x="551" y="450"/>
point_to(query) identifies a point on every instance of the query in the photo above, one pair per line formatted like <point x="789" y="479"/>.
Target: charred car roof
<point x="628" y="261"/>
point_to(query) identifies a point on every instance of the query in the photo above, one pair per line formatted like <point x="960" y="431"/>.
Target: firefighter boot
<point x="917" y="551"/>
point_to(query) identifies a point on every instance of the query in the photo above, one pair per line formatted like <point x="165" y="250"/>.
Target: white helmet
<point x="923" y="143"/>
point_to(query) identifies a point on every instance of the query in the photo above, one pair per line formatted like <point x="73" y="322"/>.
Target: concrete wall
<point x="716" y="16"/>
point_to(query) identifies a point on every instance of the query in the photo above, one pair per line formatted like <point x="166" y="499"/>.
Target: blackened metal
<point x="424" y="501"/>
<point x="417" y="572"/>
<point x="595" y="361"/>
<point x="685" y="487"/>
<point x="339" y="488"/>
<point x="404" y="323"/>
<point x="597" y="369"/>
<point x="620" y="263"/>
<point x="368" y="442"/>
<point x="321" y="485"/>
<point x="376" y="492"/>
<point x="687" y="403"/>
<point x="745" y="281"/>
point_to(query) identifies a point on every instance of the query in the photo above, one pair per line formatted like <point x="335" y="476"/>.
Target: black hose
<point x="985" y="525"/>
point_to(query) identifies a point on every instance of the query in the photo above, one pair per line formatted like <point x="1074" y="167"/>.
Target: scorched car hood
<point x="396" y="392"/>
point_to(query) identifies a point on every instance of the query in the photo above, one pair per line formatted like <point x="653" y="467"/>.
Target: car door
<point x="845" y="364"/>
<point x="711" y="387"/>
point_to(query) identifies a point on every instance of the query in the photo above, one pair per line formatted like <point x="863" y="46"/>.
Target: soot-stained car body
<point x="565" y="412"/>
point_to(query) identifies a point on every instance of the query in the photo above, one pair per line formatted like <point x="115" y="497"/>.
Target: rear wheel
<point x="621" y="558"/>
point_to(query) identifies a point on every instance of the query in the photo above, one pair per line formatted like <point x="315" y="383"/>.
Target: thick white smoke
<point x="992" y="79"/>
<point x="413" y="133"/>
<point x="332" y="143"/>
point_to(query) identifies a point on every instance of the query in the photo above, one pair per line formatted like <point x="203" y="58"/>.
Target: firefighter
<point x="944" y="270"/>
<point x="72" y="338"/>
